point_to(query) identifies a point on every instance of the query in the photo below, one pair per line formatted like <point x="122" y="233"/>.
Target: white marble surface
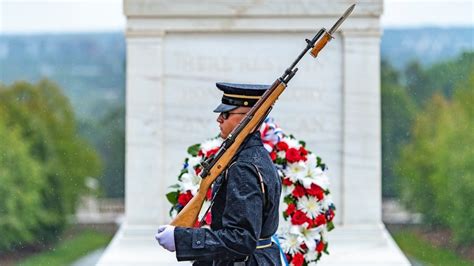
<point x="349" y="245"/>
<point x="177" y="50"/>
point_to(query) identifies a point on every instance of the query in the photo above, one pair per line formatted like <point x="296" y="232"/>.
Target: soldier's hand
<point x="165" y="236"/>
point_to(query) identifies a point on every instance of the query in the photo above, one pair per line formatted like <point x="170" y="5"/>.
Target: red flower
<point x="299" y="191"/>
<point x="209" y="194"/>
<point x="298" y="259"/>
<point x="316" y="191"/>
<point x="291" y="208"/>
<point x="287" y="182"/>
<point x="200" y="153"/>
<point x="209" y="153"/>
<point x="273" y="155"/>
<point x="282" y="146"/>
<point x="320" y="246"/>
<point x="184" y="198"/>
<point x="319" y="220"/>
<point x="208" y="218"/>
<point x="292" y="155"/>
<point x="303" y="151"/>
<point x="299" y="218"/>
<point x="330" y="215"/>
<point x="303" y="246"/>
<point x="197" y="170"/>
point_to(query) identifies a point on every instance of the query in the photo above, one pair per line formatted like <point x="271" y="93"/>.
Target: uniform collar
<point x="254" y="140"/>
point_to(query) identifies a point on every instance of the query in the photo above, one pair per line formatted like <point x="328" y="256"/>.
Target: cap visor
<point x="224" y="108"/>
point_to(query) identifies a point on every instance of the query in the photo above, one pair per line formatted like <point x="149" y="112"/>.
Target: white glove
<point x="165" y="236"/>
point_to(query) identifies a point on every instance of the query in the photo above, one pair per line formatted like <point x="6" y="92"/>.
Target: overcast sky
<point x="23" y="16"/>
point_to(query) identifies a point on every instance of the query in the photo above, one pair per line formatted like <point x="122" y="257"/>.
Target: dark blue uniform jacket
<point x="240" y="215"/>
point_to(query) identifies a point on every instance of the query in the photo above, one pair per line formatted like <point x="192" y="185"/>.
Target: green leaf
<point x="302" y="143"/>
<point x="280" y="161"/>
<point x="326" y="248"/>
<point x="289" y="199"/>
<point x="184" y="171"/>
<point x="172" y="197"/>
<point x="175" y="186"/>
<point x="194" y="149"/>
<point x="330" y="226"/>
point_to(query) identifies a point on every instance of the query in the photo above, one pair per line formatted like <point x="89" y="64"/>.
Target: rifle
<point x="215" y="165"/>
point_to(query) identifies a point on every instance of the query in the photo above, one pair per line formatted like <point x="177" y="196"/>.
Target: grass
<point x="68" y="251"/>
<point x="422" y="251"/>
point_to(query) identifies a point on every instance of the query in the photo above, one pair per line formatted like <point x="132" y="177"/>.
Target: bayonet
<point x="328" y="34"/>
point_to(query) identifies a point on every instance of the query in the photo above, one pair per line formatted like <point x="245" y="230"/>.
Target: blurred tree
<point x="437" y="166"/>
<point x="22" y="180"/>
<point x="107" y="134"/>
<point x="46" y="122"/>
<point x="441" y="77"/>
<point x="398" y="110"/>
<point x="418" y="83"/>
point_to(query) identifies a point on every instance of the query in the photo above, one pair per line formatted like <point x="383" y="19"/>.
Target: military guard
<point x="246" y="198"/>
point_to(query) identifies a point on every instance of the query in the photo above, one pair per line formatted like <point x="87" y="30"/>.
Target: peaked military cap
<point x="236" y="95"/>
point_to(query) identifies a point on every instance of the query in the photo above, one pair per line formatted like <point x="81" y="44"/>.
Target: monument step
<point x="349" y="245"/>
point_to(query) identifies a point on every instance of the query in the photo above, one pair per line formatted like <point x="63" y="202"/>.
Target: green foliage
<point x="439" y="78"/>
<point x="21" y="179"/>
<point x="424" y="252"/>
<point x="330" y="226"/>
<point x="398" y="110"/>
<point x="107" y="134"/>
<point x="194" y="149"/>
<point x="172" y="197"/>
<point x="437" y="166"/>
<point x="403" y="94"/>
<point x="42" y="118"/>
<point x="68" y="251"/>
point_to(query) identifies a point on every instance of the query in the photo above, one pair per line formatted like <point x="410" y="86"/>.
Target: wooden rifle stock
<point x="188" y="216"/>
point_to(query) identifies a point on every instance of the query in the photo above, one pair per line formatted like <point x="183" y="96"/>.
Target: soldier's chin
<point x="222" y="135"/>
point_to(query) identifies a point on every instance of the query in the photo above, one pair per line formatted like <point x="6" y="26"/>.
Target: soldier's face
<point x="229" y="120"/>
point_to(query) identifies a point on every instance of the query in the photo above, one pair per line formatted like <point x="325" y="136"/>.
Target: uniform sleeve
<point x="241" y="220"/>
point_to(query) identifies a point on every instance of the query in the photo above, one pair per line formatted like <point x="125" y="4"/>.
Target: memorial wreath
<point x="307" y="210"/>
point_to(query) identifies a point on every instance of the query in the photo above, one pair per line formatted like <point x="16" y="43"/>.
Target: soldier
<point x="247" y="195"/>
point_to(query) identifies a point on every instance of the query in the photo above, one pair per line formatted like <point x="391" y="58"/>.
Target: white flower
<point x="327" y="201"/>
<point x="324" y="232"/>
<point x="190" y="182"/>
<point x="311" y="161"/>
<point x="174" y="212"/>
<point x="193" y="161"/>
<point x="307" y="236"/>
<point x="295" y="171"/>
<point x="310" y="256"/>
<point x="310" y="205"/>
<point x="321" y="179"/>
<point x="310" y="175"/>
<point x="292" y="143"/>
<point x="211" y="144"/>
<point x="284" y="227"/>
<point x="287" y="190"/>
<point x="290" y="243"/>
<point x="281" y="154"/>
